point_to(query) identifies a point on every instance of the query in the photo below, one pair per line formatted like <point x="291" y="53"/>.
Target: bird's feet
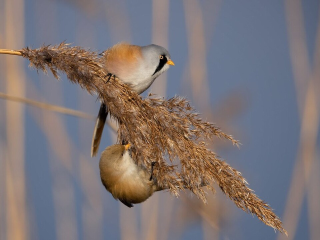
<point x="109" y="76"/>
<point x="127" y="146"/>
<point x="152" y="166"/>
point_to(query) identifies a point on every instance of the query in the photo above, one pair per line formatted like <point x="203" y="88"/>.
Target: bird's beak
<point x="170" y="62"/>
<point x="126" y="147"/>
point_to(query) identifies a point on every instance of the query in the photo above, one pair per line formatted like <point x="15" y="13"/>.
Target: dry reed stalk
<point x="55" y="108"/>
<point x="61" y="148"/>
<point x="160" y="36"/>
<point x="92" y="208"/>
<point x="15" y="180"/>
<point x="3" y="231"/>
<point x="160" y="130"/>
<point x="313" y="199"/>
<point x="197" y="48"/>
<point x="48" y="106"/>
<point x="306" y="80"/>
<point x="314" y="181"/>
<point x="153" y="218"/>
<point x="2" y="153"/>
<point x="117" y="19"/>
<point x="313" y="194"/>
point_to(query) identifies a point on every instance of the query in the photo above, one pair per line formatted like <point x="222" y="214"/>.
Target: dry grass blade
<point x="54" y="108"/>
<point x="160" y="130"/>
<point x="47" y="106"/>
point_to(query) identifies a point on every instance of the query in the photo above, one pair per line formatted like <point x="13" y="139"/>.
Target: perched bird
<point x="135" y="66"/>
<point x="123" y="178"/>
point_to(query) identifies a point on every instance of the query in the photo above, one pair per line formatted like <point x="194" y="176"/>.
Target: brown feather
<point x="122" y="59"/>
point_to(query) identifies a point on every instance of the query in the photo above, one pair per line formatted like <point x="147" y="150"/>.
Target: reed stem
<point x="10" y="52"/>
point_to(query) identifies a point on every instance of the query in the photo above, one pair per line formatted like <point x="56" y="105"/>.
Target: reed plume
<point x="163" y="131"/>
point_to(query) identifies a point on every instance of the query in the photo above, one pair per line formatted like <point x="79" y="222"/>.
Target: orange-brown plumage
<point x="122" y="59"/>
<point x="124" y="179"/>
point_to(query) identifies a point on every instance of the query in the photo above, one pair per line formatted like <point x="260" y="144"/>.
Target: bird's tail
<point x="98" y="129"/>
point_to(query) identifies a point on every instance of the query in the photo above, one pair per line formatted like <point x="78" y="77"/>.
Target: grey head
<point x="158" y="59"/>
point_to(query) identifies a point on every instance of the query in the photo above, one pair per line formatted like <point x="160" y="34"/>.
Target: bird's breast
<point x="126" y="181"/>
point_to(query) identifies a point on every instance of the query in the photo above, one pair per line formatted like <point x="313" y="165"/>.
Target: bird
<point x="123" y="178"/>
<point x="136" y="66"/>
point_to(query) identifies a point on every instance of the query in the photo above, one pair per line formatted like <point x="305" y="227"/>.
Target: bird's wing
<point x="98" y="129"/>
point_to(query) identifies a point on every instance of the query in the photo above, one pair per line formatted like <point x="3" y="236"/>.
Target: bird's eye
<point x="161" y="57"/>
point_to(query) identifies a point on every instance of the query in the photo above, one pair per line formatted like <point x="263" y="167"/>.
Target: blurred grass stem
<point x="17" y="226"/>
<point x="305" y="82"/>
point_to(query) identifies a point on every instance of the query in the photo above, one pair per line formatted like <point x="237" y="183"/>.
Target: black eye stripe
<point x="162" y="62"/>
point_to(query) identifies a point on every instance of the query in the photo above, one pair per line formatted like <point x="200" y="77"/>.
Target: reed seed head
<point x="160" y="130"/>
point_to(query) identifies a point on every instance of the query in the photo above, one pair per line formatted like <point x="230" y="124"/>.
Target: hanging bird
<point x="123" y="178"/>
<point x="135" y="66"/>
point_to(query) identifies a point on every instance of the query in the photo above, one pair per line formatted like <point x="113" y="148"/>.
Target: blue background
<point x="248" y="70"/>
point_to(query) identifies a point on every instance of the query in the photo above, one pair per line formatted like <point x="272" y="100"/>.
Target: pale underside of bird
<point x="123" y="178"/>
<point x="135" y="66"/>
